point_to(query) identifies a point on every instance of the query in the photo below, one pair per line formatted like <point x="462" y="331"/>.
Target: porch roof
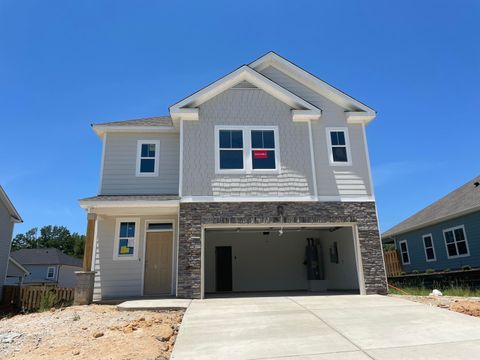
<point x="129" y="200"/>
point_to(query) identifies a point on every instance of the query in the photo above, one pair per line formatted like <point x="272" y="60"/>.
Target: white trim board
<point x="187" y="109"/>
<point x="156" y="158"/>
<point x="188" y="199"/>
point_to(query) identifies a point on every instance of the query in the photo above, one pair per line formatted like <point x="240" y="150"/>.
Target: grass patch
<point x="447" y="291"/>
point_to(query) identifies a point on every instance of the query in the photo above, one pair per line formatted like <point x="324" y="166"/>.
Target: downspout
<point x="312" y="160"/>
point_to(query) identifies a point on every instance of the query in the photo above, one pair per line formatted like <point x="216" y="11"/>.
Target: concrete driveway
<point x="324" y="327"/>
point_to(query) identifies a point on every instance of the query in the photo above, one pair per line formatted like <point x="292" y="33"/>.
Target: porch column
<point x="85" y="279"/>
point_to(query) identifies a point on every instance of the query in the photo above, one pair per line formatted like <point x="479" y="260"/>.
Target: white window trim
<point x="135" y="239"/>
<point x="425" y="248"/>
<point x="347" y="145"/>
<point x="48" y="270"/>
<point x="455" y="239"/>
<point x="401" y="251"/>
<point x="247" y="150"/>
<point x="139" y="157"/>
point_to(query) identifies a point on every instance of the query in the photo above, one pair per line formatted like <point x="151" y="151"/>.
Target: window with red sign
<point x="263" y="149"/>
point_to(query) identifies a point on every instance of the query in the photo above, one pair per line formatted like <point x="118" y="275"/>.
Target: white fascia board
<point x="185" y="109"/>
<point x="86" y="204"/>
<point x="190" y="199"/>
<point x="100" y="130"/>
<point x="14" y="215"/>
<point x="307" y="79"/>
<point x="306" y="115"/>
<point x="359" y="117"/>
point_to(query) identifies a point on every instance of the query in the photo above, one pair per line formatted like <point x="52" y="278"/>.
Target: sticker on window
<point x="260" y="154"/>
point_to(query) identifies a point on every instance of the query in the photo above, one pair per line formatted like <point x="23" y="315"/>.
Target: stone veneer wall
<point x="194" y="215"/>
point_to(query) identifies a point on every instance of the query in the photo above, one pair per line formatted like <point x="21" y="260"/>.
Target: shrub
<point x="403" y="273"/>
<point x="466" y="267"/>
<point x="415" y="271"/>
<point x="76" y="317"/>
<point x="447" y="270"/>
<point x="47" y="301"/>
<point x="430" y="271"/>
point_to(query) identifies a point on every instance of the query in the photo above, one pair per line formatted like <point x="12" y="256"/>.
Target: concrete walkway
<point x="154" y="304"/>
<point x="340" y="327"/>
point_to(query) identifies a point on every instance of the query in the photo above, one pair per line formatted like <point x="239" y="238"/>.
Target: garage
<point x="278" y="258"/>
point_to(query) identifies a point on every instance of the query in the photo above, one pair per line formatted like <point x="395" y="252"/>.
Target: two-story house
<point x="259" y="181"/>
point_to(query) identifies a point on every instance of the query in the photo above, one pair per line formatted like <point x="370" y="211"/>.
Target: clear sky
<point x="66" y="64"/>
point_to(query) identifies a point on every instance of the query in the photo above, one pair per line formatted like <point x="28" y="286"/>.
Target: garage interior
<point x="277" y="259"/>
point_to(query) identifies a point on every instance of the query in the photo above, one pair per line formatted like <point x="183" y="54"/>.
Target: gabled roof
<point x="160" y="123"/>
<point x="356" y="110"/>
<point x="16" y="264"/>
<point x="8" y="204"/>
<point x="464" y="200"/>
<point x="187" y="109"/>
<point x="48" y="256"/>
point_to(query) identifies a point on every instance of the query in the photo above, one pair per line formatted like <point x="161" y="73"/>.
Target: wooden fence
<point x="29" y="297"/>
<point x="392" y="263"/>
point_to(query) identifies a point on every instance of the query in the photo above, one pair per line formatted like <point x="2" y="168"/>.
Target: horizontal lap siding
<point x="331" y="180"/>
<point x="417" y="252"/>
<point x="120" y="163"/>
<point x="6" y="228"/>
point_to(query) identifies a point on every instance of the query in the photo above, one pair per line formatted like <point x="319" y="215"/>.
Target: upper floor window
<point x="246" y="149"/>
<point x="404" y="254"/>
<point x="456" y="242"/>
<point x="51" y="272"/>
<point x="126" y="239"/>
<point x="338" y="146"/>
<point x="428" y="246"/>
<point x="147" y="157"/>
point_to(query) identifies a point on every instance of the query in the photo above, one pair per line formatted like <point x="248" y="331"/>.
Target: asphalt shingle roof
<point x="150" y="121"/>
<point x="48" y="256"/>
<point x="462" y="200"/>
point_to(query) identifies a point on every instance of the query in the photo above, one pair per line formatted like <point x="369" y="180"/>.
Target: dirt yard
<point x="469" y="306"/>
<point x="89" y="332"/>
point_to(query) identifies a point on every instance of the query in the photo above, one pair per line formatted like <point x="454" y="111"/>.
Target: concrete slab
<point x="154" y="304"/>
<point x="340" y="327"/>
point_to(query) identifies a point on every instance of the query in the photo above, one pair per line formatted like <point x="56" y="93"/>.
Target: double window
<point x="428" y="246"/>
<point x="456" y="242"/>
<point x="404" y="255"/>
<point x="147" y="157"/>
<point x="246" y="149"/>
<point x="338" y="146"/>
<point x="126" y="239"/>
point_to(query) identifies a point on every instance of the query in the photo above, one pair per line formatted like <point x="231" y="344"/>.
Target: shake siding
<point x="121" y="160"/>
<point x="331" y="180"/>
<point x="6" y="228"/>
<point x="417" y="252"/>
<point x="245" y="107"/>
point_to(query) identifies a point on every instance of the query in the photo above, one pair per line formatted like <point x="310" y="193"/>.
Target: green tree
<point x="25" y="241"/>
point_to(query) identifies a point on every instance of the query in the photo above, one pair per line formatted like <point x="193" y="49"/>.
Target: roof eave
<point x="14" y="215"/>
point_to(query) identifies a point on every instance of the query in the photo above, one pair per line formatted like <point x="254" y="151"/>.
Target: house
<point x="46" y="266"/>
<point x="8" y="217"/>
<point x="444" y="235"/>
<point x="259" y="181"/>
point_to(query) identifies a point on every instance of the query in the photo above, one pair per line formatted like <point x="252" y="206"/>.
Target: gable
<point x="187" y="109"/>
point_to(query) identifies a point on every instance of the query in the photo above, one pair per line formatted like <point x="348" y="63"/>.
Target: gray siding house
<point x="45" y="266"/>
<point x="8" y="217"/>
<point x="259" y="181"/>
<point x="444" y="235"/>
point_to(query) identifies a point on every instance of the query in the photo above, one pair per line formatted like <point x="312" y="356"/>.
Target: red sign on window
<point x="260" y="154"/>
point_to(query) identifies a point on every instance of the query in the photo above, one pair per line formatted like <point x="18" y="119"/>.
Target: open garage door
<point x="280" y="259"/>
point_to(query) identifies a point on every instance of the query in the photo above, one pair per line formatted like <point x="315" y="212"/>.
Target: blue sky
<point x="66" y="64"/>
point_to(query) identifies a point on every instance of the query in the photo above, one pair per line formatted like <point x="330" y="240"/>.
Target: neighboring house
<point x="8" y="217"/>
<point x="222" y="194"/>
<point x="444" y="235"/>
<point x="46" y="266"/>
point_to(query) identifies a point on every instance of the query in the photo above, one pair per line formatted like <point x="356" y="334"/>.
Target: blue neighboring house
<point x="444" y="235"/>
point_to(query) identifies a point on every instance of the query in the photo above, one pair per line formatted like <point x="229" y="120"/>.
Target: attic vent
<point x="244" y="85"/>
<point x="476" y="183"/>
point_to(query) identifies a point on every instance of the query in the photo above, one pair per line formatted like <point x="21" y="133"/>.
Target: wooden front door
<point x="158" y="263"/>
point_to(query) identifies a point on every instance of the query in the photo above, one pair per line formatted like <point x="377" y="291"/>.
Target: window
<point x="404" y="255"/>
<point x="338" y="146"/>
<point x="160" y="226"/>
<point x="456" y="242"/>
<point x="263" y="149"/>
<point x="246" y="149"/>
<point x="428" y="246"/>
<point x="147" y="157"/>
<point x="51" y="272"/>
<point x="126" y="240"/>
<point x="231" y="149"/>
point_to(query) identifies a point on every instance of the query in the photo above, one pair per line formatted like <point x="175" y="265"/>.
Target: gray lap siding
<point x="195" y="215"/>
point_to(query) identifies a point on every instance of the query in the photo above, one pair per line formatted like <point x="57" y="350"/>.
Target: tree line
<point x="51" y="236"/>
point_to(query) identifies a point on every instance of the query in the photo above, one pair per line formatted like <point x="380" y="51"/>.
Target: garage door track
<point x="324" y="327"/>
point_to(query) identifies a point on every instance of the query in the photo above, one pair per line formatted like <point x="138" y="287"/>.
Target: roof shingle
<point x="150" y="121"/>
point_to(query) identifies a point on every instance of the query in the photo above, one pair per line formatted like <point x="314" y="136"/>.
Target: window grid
<point x="405" y="256"/>
<point x="456" y="242"/>
<point x="429" y="248"/>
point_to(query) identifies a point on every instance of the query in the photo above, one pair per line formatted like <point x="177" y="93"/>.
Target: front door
<point x="158" y="263"/>
<point x="223" y="268"/>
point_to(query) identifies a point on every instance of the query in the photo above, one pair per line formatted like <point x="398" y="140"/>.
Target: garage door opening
<point x="274" y="259"/>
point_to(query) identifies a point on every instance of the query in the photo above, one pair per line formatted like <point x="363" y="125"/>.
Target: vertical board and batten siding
<point x="347" y="181"/>
<point x="417" y="251"/>
<point x="6" y="229"/>
<point x="243" y="107"/>
<point x="120" y="278"/>
<point x="120" y="163"/>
